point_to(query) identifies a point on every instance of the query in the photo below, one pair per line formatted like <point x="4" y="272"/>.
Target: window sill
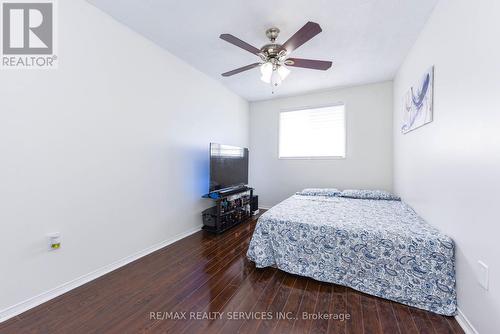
<point x="312" y="158"/>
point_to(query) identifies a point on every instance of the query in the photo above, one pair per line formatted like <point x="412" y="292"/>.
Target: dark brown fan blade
<point x="239" y="43"/>
<point x="309" y="63"/>
<point x="241" y="69"/>
<point x="308" y="31"/>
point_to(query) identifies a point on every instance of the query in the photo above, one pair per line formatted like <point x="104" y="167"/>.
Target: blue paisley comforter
<point x="379" y="247"/>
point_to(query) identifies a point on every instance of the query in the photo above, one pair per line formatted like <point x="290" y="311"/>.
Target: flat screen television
<point x="228" y="166"/>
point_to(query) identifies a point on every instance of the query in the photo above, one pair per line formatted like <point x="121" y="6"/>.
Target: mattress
<point x="379" y="247"/>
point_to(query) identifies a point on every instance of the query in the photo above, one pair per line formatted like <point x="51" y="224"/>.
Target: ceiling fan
<point x="274" y="56"/>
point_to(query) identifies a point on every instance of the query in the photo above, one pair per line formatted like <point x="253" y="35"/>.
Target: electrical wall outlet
<point x="54" y="240"/>
<point x="483" y="275"/>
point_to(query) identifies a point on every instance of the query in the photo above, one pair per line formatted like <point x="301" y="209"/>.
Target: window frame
<point x="333" y="157"/>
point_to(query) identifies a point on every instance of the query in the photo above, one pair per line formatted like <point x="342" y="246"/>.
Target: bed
<point x="376" y="246"/>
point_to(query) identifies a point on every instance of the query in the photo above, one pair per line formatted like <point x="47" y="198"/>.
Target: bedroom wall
<point x="110" y="150"/>
<point x="368" y="163"/>
<point x="449" y="170"/>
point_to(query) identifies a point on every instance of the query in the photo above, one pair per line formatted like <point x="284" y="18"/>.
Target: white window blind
<point x="313" y="133"/>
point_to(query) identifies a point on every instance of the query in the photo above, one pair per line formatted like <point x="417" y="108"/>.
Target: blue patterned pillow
<point x="330" y="192"/>
<point x="369" y="194"/>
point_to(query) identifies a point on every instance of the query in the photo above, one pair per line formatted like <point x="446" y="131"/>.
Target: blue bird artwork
<point x="418" y="103"/>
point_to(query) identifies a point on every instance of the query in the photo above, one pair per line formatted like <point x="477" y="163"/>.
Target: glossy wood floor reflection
<point x="204" y="274"/>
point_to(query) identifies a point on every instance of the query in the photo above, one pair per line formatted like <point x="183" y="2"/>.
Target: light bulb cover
<point x="283" y="72"/>
<point x="275" y="79"/>
<point x="266" y="70"/>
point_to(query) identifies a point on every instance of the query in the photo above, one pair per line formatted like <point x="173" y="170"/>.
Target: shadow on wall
<point x="199" y="182"/>
<point x="187" y="174"/>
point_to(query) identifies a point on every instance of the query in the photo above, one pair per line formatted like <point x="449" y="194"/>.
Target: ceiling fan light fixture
<point x="266" y="71"/>
<point x="265" y="79"/>
<point x="283" y="72"/>
<point x="273" y="74"/>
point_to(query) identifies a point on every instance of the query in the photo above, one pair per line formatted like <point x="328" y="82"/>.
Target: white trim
<point x="313" y="106"/>
<point x="314" y="158"/>
<point x="265" y="207"/>
<point x="465" y="323"/>
<point x="23" y="306"/>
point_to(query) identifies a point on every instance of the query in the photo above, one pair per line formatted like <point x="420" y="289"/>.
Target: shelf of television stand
<point x="218" y="221"/>
<point x="245" y="203"/>
<point x="226" y="225"/>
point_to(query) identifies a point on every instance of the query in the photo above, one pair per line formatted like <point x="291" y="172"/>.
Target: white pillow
<point x="329" y="192"/>
<point x="369" y="194"/>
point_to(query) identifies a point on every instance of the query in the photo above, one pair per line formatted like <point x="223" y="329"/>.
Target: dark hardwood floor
<point x="204" y="274"/>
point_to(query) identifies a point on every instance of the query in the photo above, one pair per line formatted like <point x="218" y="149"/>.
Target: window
<point x="313" y="133"/>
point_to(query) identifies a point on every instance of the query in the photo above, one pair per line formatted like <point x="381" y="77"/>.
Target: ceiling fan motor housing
<point x="271" y="50"/>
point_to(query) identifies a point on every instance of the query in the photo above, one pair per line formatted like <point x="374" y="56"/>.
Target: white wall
<point x="110" y="149"/>
<point x="449" y="170"/>
<point x="368" y="163"/>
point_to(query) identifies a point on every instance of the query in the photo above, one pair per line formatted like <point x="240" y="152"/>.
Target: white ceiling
<point x="367" y="40"/>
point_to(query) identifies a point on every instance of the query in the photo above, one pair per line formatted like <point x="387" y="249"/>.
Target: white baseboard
<point x="23" y="306"/>
<point x="265" y="207"/>
<point x="465" y="323"/>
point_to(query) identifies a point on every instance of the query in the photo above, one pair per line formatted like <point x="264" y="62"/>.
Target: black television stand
<point x="232" y="207"/>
